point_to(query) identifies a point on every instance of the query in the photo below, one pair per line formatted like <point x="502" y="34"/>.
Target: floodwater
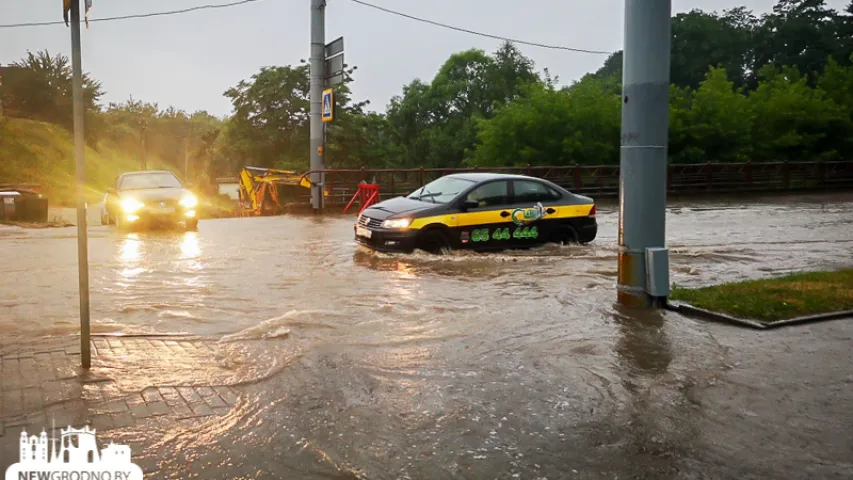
<point x="511" y="365"/>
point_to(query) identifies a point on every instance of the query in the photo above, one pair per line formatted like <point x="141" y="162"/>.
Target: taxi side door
<point x="531" y="226"/>
<point x="484" y="223"/>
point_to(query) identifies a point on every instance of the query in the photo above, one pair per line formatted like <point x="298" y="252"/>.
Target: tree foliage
<point x="744" y="88"/>
<point x="39" y="87"/>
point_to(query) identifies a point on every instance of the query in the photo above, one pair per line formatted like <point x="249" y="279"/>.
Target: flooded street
<point x="355" y="364"/>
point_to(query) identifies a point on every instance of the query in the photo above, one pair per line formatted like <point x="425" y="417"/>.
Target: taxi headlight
<point x="397" y="223"/>
<point x="189" y="201"/>
<point x="130" y="205"/>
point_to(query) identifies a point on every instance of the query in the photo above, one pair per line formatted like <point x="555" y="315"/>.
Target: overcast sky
<point x="189" y="60"/>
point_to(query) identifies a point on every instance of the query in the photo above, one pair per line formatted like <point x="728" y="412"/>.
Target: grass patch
<point x="775" y="299"/>
<point x="42" y="153"/>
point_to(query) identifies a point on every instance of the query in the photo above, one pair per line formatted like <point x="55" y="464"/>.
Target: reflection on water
<point x="643" y="346"/>
<point x="190" y="247"/>
<point x="130" y="248"/>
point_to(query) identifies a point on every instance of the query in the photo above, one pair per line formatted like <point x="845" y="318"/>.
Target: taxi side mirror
<point x="468" y="204"/>
<point x="111" y="191"/>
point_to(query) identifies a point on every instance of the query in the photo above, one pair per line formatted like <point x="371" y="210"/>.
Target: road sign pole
<point x="318" y="49"/>
<point x="643" y="162"/>
<point x="79" y="151"/>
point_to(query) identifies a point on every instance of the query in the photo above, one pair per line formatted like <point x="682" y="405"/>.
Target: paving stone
<point x="158" y="408"/>
<point x="102" y="422"/>
<point x="152" y="395"/>
<point x="216" y="402"/>
<point x="42" y="358"/>
<point x="13" y="401"/>
<point x="228" y="395"/>
<point x="201" y="409"/>
<point x="205" y="392"/>
<point x="122" y="420"/>
<point x="114" y="406"/>
<point x="182" y="410"/>
<point x="140" y="410"/>
<point x="171" y="396"/>
<point x="190" y="396"/>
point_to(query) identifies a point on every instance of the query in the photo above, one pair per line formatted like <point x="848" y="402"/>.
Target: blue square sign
<point x="328" y="105"/>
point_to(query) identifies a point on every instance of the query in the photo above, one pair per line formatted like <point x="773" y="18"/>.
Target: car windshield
<point x="443" y="190"/>
<point x="149" y="180"/>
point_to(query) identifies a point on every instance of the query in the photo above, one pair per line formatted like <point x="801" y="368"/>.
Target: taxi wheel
<point x="435" y="242"/>
<point x="565" y="236"/>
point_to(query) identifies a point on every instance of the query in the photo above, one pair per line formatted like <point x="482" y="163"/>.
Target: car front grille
<point x="368" y="222"/>
<point x="161" y="203"/>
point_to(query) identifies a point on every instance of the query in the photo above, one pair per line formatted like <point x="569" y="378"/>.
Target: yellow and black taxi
<point x="478" y="211"/>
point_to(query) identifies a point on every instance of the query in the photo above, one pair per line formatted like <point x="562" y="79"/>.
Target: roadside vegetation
<point x="754" y="88"/>
<point x="775" y="299"/>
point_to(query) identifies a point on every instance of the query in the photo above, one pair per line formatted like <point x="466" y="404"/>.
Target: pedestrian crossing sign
<point x="328" y="105"/>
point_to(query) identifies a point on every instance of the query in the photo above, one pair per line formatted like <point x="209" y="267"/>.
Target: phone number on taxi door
<point x="482" y="234"/>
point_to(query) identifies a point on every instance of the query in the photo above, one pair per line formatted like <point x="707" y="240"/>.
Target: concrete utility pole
<point x="643" y="274"/>
<point x="318" y="69"/>
<point x="79" y="151"/>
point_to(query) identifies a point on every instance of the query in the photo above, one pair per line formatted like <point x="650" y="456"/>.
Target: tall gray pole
<point x="318" y="67"/>
<point x="79" y="151"/>
<point x="643" y="162"/>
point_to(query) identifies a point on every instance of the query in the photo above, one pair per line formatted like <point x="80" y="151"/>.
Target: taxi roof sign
<point x="328" y="105"/>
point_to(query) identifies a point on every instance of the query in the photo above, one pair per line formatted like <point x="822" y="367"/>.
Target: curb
<point x="690" y="310"/>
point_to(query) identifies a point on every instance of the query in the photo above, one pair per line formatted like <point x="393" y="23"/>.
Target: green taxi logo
<point x="520" y="216"/>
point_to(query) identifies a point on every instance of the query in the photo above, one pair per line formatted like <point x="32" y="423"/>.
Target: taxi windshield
<point x="443" y="190"/>
<point x="149" y="180"/>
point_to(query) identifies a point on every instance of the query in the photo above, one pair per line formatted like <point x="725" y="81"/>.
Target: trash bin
<point x="31" y="208"/>
<point x="7" y="205"/>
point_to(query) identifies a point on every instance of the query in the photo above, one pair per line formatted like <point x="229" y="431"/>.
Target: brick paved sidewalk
<point x="132" y="381"/>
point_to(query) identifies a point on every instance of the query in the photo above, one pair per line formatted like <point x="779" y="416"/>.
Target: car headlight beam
<point x="400" y="223"/>
<point x="189" y="201"/>
<point x="130" y="205"/>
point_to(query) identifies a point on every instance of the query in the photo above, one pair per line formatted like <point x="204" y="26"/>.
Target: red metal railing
<point x="603" y="180"/>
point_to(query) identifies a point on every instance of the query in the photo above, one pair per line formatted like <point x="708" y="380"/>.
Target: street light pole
<point x="643" y="267"/>
<point x="79" y="152"/>
<point x="318" y="55"/>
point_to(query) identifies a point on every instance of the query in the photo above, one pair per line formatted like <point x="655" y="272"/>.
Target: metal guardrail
<point x="603" y="180"/>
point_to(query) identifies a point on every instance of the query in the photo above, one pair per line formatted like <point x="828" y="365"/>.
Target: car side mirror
<point x="111" y="191"/>
<point x="469" y="204"/>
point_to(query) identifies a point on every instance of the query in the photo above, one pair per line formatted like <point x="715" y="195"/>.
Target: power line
<point x="496" y="37"/>
<point x="141" y="15"/>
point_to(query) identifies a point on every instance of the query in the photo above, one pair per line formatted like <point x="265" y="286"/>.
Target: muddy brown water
<point x="510" y="365"/>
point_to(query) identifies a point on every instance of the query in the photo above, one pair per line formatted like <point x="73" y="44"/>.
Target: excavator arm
<point x="262" y="189"/>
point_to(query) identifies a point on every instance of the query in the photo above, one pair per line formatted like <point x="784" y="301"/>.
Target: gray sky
<point x="189" y="60"/>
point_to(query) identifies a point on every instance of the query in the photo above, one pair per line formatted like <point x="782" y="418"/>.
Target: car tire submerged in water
<point x="435" y="242"/>
<point x="565" y="236"/>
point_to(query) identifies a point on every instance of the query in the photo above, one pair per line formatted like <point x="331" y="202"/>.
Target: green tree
<point x="794" y="121"/>
<point x="40" y="88"/>
<point x="271" y="113"/>
<point x="800" y="34"/>
<point x="436" y="122"/>
<point x="580" y="124"/>
<point x="718" y="118"/>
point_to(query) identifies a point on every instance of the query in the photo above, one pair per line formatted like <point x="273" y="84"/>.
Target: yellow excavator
<point x="267" y="191"/>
